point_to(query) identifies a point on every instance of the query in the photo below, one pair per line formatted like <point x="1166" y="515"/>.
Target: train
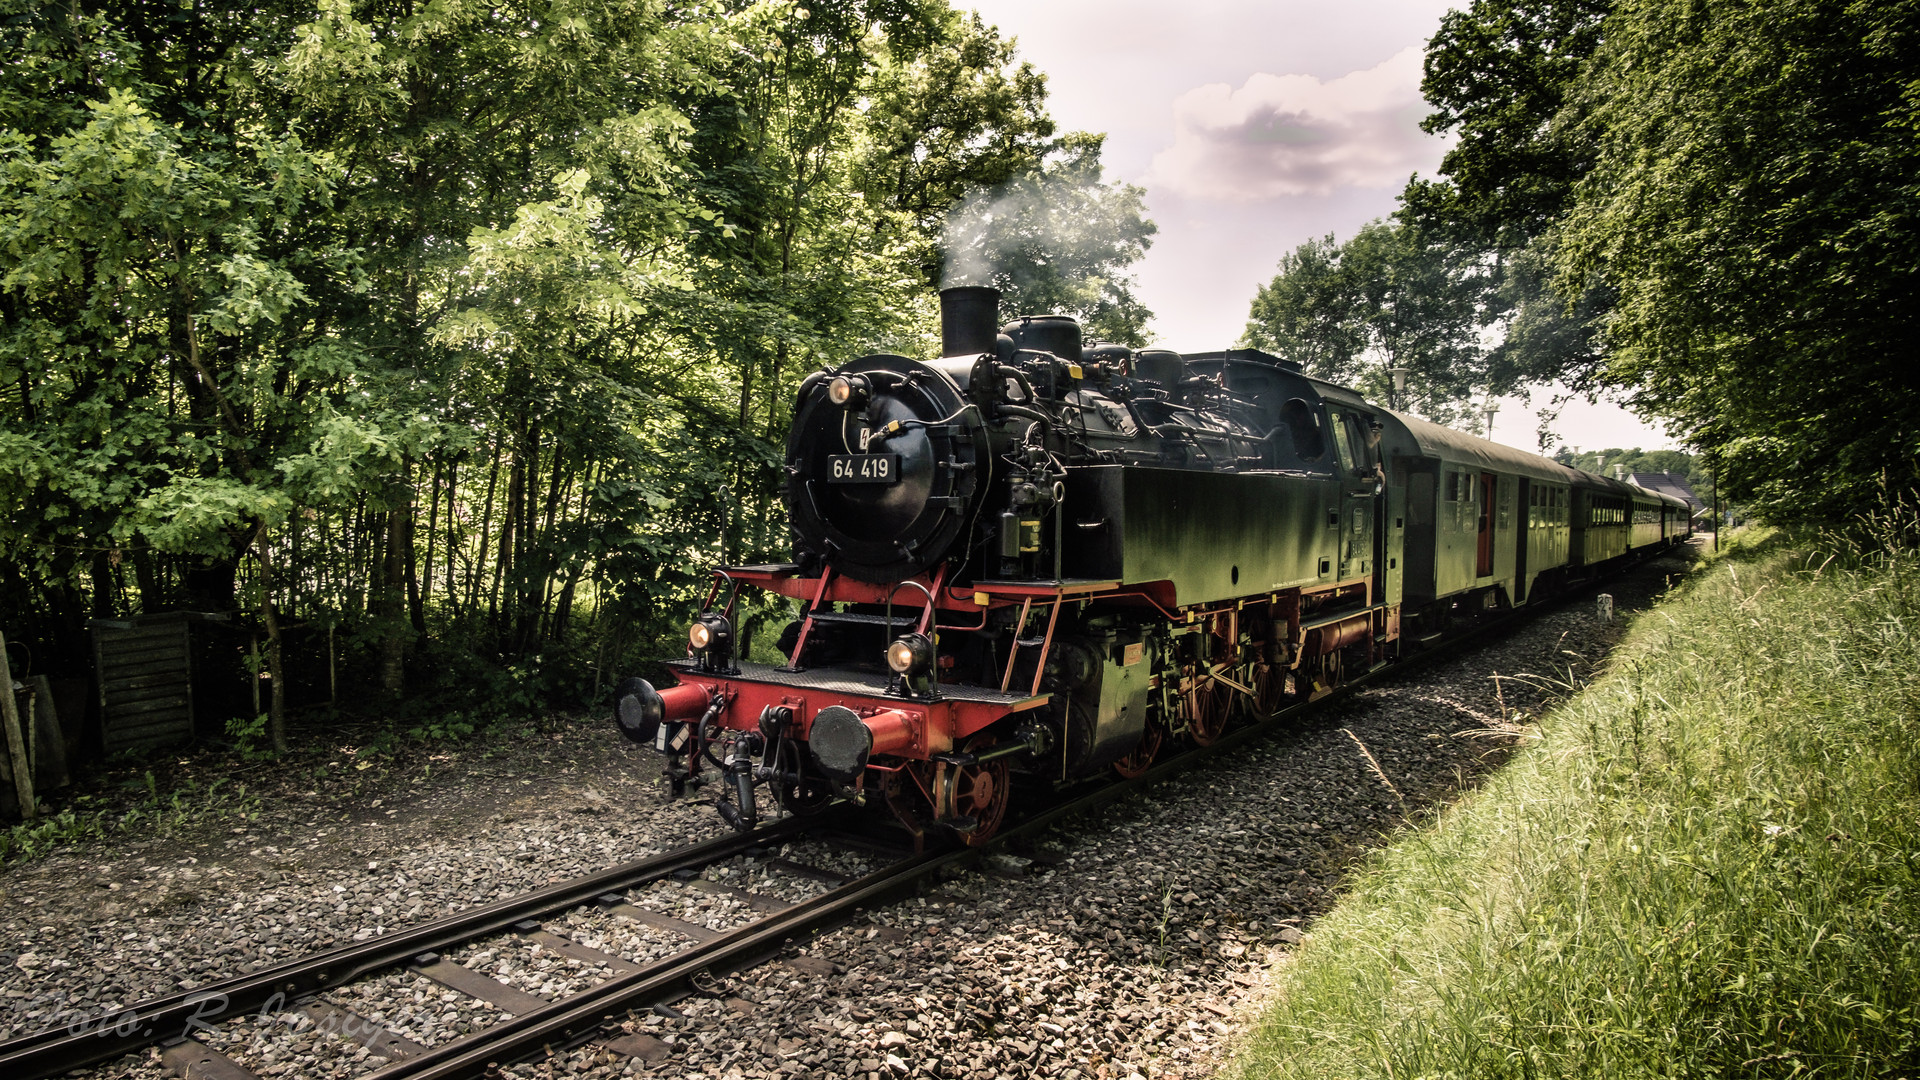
<point x="1038" y="560"/>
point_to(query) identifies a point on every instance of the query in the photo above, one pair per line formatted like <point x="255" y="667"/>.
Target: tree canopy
<point x="1755" y="203"/>
<point x="1391" y="297"/>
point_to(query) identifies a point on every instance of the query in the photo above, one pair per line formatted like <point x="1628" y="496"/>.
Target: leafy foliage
<point x="1390" y="297"/>
<point x="1708" y="206"/>
<point x="451" y="342"/>
<point x="1307" y="313"/>
<point x="1754" y="202"/>
<point x="1603" y="462"/>
<point x="1500" y="75"/>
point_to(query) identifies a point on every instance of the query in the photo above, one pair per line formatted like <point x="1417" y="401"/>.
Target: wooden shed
<point x="145" y="666"/>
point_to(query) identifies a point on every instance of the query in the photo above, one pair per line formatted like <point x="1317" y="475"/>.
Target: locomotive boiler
<point x="1033" y="558"/>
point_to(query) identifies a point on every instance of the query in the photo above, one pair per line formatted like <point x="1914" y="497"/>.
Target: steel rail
<point x="98" y="1039"/>
<point x="579" y="1017"/>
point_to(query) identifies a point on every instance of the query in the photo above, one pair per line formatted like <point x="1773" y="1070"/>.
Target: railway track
<point x="532" y="1024"/>
<point x="164" y="1020"/>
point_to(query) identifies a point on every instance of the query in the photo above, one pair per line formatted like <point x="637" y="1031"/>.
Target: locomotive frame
<point x="1098" y="551"/>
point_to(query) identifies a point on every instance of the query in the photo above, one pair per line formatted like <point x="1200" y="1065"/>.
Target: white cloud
<point x="1296" y="135"/>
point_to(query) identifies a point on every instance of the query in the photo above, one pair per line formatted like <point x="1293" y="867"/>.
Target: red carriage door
<point x="1485" y="568"/>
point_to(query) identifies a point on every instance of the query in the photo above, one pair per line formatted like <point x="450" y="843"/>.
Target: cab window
<point x="1353" y="441"/>
<point x="1343" y="442"/>
<point x="1298" y="416"/>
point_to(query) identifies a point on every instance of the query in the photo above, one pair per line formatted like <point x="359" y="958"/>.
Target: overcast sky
<point x="1254" y="125"/>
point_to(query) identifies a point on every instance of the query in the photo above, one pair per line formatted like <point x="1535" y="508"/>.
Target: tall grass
<point x="1704" y="865"/>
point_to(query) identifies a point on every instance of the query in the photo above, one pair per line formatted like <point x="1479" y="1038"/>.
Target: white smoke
<point x="986" y="232"/>
<point x="1057" y="236"/>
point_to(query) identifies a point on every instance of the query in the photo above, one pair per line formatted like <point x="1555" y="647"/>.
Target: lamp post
<point x="1489" y="409"/>
<point x="1399" y="375"/>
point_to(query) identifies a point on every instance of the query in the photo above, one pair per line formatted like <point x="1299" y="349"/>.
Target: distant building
<point x="1668" y="483"/>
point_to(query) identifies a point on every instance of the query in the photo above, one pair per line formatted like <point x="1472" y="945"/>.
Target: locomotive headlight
<point x="911" y="655"/>
<point x="710" y="635"/>
<point x="849" y="391"/>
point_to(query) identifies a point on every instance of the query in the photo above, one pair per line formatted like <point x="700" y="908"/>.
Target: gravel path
<point x="1133" y="945"/>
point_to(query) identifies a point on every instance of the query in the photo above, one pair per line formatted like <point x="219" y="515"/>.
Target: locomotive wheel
<point x="1140" y="758"/>
<point x="1204" y="707"/>
<point x="975" y="794"/>
<point x="1269" y="688"/>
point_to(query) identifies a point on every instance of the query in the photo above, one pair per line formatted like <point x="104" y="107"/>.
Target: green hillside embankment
<point x="1703" y="865"/>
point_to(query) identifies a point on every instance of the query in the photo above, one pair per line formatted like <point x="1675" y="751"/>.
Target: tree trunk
<point x="509" y="537"/>
<point x="103" y="586"/>
<point x="563" y="608"/>
<point x="433" y="537"/>
<point x="410" y="566"/>
<point x="479" y="567"/>
<point x="393" y="647"/>
<point x="505" y="608"/>
<point x="453" y="488"/>
<point x="276" y="670"/>
<point x="558" y="489"/>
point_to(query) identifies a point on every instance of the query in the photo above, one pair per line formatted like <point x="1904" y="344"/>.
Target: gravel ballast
<point x="1134" y="943"/>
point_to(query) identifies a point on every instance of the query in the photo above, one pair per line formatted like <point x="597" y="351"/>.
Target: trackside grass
<point x="1703" y="865"/>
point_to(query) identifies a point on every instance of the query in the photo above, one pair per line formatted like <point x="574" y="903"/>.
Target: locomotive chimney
<point x="969" y="320"/>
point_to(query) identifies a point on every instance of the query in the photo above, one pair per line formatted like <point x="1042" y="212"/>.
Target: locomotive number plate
<point x="863" y="468"/>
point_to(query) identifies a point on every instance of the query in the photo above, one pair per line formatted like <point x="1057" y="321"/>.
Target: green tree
<point x="1754" y="201"/>
<point x="959" y="116"/>
<point x="1418" y="305"/>
<point x="1389" y="297"/>
<point x="1310" y="312"/>
<point x="461" y="333"/>
<point x="1692" y="467"/>
<point x="175" y="392"/>
<point x="1498" y="77"/>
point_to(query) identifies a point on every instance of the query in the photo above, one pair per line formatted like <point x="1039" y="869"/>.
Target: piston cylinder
<point x="1322" y="640"/>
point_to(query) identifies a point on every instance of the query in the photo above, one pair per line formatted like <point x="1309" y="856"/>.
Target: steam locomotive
<point x="1041" y="559"/>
